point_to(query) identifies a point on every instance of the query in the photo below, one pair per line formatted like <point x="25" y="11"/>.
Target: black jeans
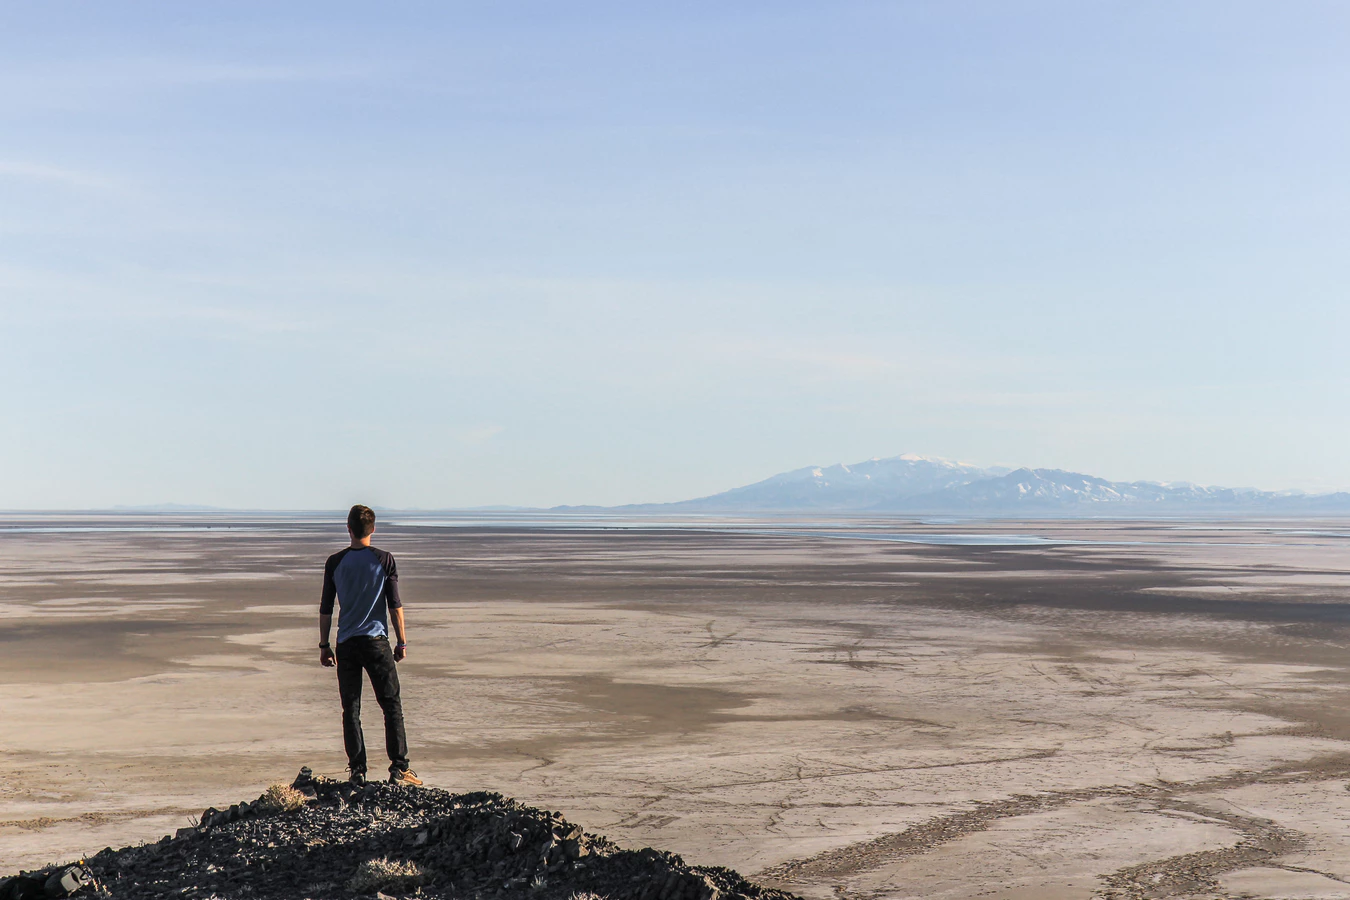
<point x="373" y="656"/>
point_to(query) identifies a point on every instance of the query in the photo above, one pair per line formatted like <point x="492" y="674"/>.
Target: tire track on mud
<point x="884" y="770"/>
<point x="1263" y="840"/>
<point x="1194" y="873"/>
<point x="92" y="818"/>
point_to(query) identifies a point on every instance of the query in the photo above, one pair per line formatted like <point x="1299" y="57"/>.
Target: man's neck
<point x="363" y="542"/>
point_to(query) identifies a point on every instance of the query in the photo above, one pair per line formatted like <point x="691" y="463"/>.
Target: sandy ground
<point x="1161" y="710"/>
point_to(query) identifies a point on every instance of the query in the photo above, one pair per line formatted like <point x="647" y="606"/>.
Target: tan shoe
<point x="406" y="777"/>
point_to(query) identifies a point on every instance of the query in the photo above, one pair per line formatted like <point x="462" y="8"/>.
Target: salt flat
<point x="1075" y="709"/>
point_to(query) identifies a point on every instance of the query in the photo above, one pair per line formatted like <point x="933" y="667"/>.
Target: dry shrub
<point x="283" y="798"/>
<point x="387" y="874"/>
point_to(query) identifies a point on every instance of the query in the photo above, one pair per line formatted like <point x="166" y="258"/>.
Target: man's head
<point x="361" y="522"/>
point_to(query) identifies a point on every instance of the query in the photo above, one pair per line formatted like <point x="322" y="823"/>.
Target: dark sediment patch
<point x="333" y="839"/>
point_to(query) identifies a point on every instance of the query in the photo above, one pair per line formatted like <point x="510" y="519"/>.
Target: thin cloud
<point x="127" y="83"/>
<point x="75" y="178"/>
<point x="270" y="74"/>
<point x="814" y="360"/>
<point x="48" y="299"/>
<point x="481" y="434"/>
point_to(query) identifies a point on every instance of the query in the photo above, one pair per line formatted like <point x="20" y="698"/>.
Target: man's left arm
<point x="400" y="632"/>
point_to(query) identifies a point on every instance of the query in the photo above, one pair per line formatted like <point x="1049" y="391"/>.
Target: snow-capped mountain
<point x="913" y="483"/>
<point x="858" y="486"/>
<point x="1057" y="489"/>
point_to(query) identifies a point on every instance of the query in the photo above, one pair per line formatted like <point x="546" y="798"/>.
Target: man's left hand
<point x="400" y="653"/>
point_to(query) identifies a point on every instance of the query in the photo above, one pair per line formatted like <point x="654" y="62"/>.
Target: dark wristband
<point x="325" y="646"/>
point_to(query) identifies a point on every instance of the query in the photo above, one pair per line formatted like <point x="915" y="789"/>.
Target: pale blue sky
<point x="306" y="254"/>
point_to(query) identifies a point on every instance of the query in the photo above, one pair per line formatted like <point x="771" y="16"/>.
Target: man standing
<point x="364" y="581"/>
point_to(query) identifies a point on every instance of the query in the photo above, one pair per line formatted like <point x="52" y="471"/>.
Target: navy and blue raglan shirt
<point x="365" y="582"/>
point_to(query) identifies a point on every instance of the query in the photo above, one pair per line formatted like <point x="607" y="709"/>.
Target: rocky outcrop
<point x="331" y="839"/>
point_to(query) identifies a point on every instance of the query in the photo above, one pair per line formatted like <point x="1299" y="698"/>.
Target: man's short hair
<point x="361" y="520"/>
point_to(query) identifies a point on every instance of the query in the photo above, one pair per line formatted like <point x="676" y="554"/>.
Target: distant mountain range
<point x="913" y="483"/>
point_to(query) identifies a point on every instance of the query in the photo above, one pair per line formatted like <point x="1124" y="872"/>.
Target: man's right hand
<point x="326" y="657"/>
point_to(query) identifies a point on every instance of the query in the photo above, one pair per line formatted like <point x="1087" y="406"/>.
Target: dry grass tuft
<point x="387" y="874"/>
<point x="283" y="798"/>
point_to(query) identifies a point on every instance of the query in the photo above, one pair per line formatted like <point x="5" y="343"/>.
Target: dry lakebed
<point x="857" y="708"/>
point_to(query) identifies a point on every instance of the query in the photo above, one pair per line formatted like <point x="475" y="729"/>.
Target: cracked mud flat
<point x="1162" y="713"/>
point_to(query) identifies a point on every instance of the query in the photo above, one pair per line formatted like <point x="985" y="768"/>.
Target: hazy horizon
<point x="187" y="507"/>
<point x="295" y="257"/>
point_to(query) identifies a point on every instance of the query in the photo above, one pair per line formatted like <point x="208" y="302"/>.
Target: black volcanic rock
<point x="346" y="841"/>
